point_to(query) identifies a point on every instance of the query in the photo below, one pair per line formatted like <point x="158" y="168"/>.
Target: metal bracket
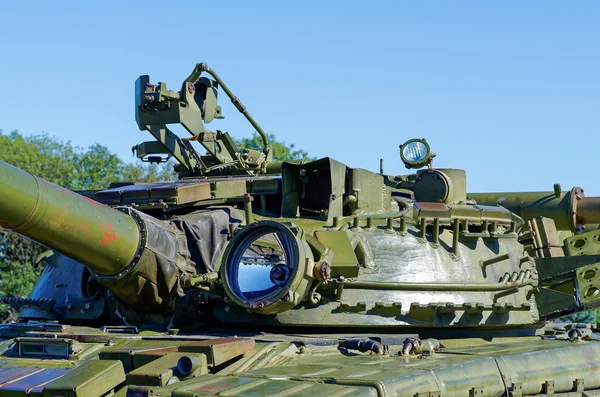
<point x="579" y="385"/>
<point x="180" y="149"/>
<point x="516" y="389"/>
<point x="476" y="392"/>
<point x="548" y="388"/>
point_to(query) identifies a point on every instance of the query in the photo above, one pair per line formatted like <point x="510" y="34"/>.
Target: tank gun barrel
<point x="570" y="210"/>
<point x="119" y="248"/>
<point x="100" y="237"/>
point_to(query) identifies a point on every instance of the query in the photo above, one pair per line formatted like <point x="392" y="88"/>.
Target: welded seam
<point x="33" y="211"/>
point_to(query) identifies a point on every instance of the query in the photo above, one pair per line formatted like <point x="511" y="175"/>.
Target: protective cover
<point x="206" y="232"/>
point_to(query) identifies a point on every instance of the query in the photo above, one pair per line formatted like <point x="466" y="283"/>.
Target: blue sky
<point x="508" y="91"/>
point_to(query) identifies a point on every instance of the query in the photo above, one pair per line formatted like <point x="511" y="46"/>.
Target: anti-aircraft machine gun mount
<point x="248" y="276"/>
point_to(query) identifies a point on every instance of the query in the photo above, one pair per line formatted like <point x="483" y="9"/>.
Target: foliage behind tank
<point x="252" y="277"/>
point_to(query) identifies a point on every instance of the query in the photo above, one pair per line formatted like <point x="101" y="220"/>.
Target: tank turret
<point x="417" y="254"/>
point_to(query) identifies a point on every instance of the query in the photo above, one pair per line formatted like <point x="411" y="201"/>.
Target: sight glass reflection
<point x="262" y="267"/>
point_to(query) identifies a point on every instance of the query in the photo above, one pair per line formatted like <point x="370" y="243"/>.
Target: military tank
<point x="250" y="277"/>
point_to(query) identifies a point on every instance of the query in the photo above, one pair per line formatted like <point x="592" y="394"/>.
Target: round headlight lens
<point x="415" y="153"/>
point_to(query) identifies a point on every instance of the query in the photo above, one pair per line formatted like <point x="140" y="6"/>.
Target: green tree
<point x="96" y="168"/>
<point x="281" y="151"/>
<point x="16" y="279"/>
<point x="149" y="173"/>
<point x="40" y="155"/>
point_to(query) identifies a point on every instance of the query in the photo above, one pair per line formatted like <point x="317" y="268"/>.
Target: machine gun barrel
<point x="570" y="210"/>
<point x="588" y="209"/>
<point x="98" y="236"/>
